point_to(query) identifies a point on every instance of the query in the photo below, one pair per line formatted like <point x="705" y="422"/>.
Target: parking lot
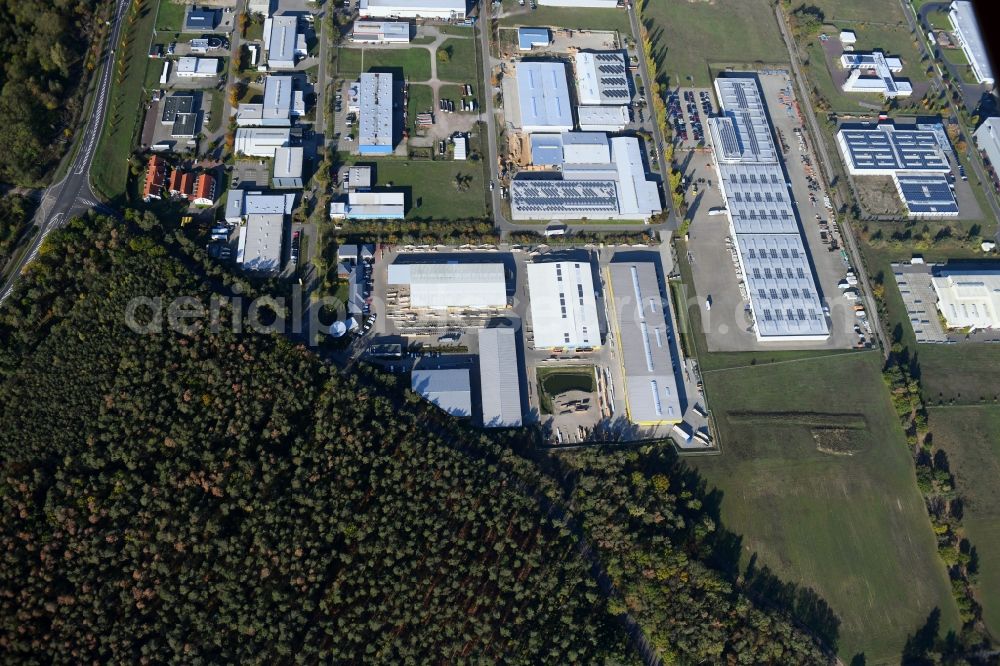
<point x="687" y="109"/>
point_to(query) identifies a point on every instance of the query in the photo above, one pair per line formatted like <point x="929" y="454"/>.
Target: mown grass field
<point x="880" y="12"/>
<point x="421" y="99"/>
<point x="433" y="194"/>
<point x="971" y="438"/>
<point x="415" y="62"/>
<point x="563" y="17"/>
<point x="688" y="37"/>
<point x="171" y="17"/>
<point x="849" y="522"/>
<point x="462" y="66"/>
<point x="122" y="121"/>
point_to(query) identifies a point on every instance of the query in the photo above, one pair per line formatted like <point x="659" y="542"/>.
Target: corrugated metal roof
<point x="448" y="389"/>
<point x="499" y="380"/>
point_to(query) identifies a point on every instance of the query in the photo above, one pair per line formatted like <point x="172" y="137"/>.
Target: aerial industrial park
<point x="621" y="258"/>
<point x="555" y="133"/>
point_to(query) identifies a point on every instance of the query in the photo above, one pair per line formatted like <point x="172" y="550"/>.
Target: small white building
<point x="191" y="68"/>
<point x="603" y="118"/>
<point x="280" y="41"/>
<point x="259" y="248"/>
<point x="563" y="305"/>
<point x="873" y="73"/>
<point x="287" y="173"/>
<point x="381" y="32"/>
<point x="460" y="148"/>
<point x="848" y="37"/>
<point x="261" y="141"/>
<point x="446" y="10"/>
<point x="262" y="7"/>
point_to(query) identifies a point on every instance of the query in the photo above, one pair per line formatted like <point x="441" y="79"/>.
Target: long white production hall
<point x="452" y="285"/>
<point x="772" y="254"/>
<point x="563" y="305"/>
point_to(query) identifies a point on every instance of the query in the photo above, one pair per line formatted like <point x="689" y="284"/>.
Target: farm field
<point x="689" y="37"/>
<point x="576" y="19"/>
<point x="432" y="193"/>
<point x="827" y="496"/>
<point x="963" y="373"/>
<point x="415" y="62"/>
<point x="971" y="438"/>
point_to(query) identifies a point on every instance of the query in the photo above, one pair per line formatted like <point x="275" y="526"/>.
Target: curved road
<point x="73" y="195"/>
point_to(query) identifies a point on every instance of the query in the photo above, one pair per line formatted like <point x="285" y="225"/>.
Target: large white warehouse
<point x="968" y="298"/>
<point x="543" y="97"/>
<point x="563" y="305"/>
<point x="432" y="9"/>
<point x="452" y="285"/>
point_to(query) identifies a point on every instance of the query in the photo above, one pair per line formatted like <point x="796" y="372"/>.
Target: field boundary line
<point x="792" y="360"/>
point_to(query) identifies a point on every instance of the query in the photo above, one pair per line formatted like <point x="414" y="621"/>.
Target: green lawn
<point x="217" y="104"/>
<point x="434" y="195"/>
<point x="963" y="373"/>
<point x="415" y="62"/>
<point x="462" y="67"/>
<point x="939" y="20"/>
<point x="576" y="19"/>
<point x="690" y="36"/>
<point x="123" y="119"/>
<point x="817" y="479"/>
<point x="171" y="17"/>
<point x="880" y="12"/>
<point x="971" y="438"/>
<point x="421" y="99"/>
<point x="893" y="40"/>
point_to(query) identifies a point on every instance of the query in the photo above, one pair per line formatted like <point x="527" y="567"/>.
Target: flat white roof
<point x="281" y="41"/>
<point x="448" y="389"/>
<point x="381" y="30"/>
<point x="606" y="118"/>
<point x="452" y="285"/>
<point x="963" y="19"/>
<point x="644" y="344"/>
<point x="190" y="66"/>
<point x="376" y="110"/>
<point x="988" y="140"/>
<point x="428" y="8"/>
<point x="602" y="78"/>
<point x="636" y="195"/>
<point x="543" y="96"/>
<point x="243" y="202"/>
<point x="873" y="72"/>
<point x="261" y="141"/>
<point x="586" y="148"/>
<point x="288" y="162"/>
<point x="499" y="378"/>
<point x="968" y="297"/>
<point x="260" y="243"/>
<point x="563" y="305"/>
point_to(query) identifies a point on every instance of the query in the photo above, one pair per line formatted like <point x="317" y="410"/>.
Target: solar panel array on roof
<point x="551" y="197"/>
<point x="885" y="148"/>
<point x="602" y="78"/>
<point x="775" y="262"/>
<point x="927" y="195"/>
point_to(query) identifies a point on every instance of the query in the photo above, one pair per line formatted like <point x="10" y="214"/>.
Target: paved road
<point x="73" y="194"/>
<point x="827" y="176"/>
<point x="648" y="83"/>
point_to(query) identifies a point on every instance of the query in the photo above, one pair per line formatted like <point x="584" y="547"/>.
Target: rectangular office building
<point x="375" y="131"/>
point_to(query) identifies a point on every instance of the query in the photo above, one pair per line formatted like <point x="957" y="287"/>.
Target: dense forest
<point x="43" y="59"/>
<point x="15" y="213"/>
<point x="209" y="496"/>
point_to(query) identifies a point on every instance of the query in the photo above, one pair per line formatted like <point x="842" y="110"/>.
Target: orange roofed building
<point x="156" y="176"/>
<point x="204" y="191"/>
